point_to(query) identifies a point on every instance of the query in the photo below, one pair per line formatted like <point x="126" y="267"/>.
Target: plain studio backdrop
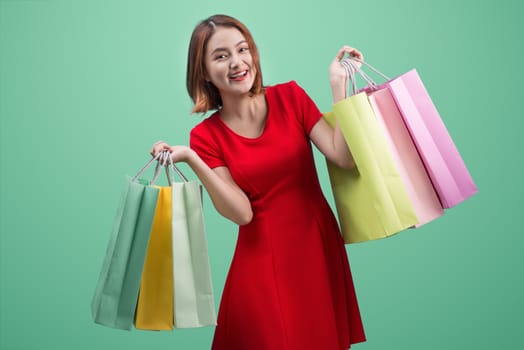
<point x="87" y="86"/>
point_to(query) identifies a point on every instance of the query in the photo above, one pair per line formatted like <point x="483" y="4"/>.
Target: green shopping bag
<point x="371" y="199"/>
<point x="193" y="299"/>
<point x="116" y="293"/>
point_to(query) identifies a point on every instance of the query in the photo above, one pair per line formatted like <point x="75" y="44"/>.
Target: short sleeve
<point x="309" y="114"/>
<point x="201" y="140"/>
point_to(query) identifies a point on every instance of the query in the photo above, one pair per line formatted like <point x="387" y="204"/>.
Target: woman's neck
<point x="241" y="107"/>
<point x="245" y="115"/>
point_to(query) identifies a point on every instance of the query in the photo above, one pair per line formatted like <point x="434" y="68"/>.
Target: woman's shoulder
<point x="290" y="86"/>
<point x="288" y="91"/>
<point x="206" y="126"/>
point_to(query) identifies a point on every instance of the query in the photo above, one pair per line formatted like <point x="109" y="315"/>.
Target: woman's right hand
<point x="227" y="197"/>
<point x="158" y="147"/>
<point x="178" y="153"/>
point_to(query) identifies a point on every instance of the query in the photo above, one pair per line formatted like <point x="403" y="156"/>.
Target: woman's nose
<point x="234" y="62"/>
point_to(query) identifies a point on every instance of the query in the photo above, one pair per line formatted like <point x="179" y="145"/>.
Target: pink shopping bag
<point x="442" y="161"/>
<point x="410" y="167"/>
<point x="448" y="173"/>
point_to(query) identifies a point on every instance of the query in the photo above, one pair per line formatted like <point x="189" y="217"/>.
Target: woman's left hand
<point x="337" y="73"/>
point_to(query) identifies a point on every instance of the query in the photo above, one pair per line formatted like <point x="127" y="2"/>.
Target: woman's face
<point x="229" y="63"/>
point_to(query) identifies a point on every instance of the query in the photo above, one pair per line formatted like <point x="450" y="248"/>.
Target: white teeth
<point x="241" y="74"/>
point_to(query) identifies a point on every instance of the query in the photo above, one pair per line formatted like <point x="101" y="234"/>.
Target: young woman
<point x="289" y="286"/>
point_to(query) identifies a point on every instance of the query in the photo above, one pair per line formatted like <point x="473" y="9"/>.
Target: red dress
<point x="289" y="286"/>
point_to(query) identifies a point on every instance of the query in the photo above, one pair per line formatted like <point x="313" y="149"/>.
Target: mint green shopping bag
<point x="115" y="298"/>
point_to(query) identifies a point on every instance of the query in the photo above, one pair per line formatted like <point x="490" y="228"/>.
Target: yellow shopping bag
<point x="155" y="301"/>
<point x="371" y="199"/>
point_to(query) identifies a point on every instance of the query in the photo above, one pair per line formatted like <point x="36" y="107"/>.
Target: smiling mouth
<point x="239" y="75"/>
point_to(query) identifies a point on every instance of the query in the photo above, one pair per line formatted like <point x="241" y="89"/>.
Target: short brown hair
<point x="204" y="94"/>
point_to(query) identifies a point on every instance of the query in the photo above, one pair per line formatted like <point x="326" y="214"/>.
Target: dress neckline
<point x="264" y="128"/>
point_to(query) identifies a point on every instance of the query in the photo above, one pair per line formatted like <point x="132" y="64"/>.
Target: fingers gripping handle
<point x="163" y="159"/>
<point x="349" y="64"/>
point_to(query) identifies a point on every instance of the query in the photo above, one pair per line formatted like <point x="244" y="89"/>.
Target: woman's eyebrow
<point x="218" y="49"/>
<point x="224" y="49"/>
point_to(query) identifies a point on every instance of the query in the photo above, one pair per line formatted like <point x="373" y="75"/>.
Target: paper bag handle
<point x="349" y="65"/>
<point x="370" y="67"/>
<point x="168" y="163"/>
<point x="144" y="168"/>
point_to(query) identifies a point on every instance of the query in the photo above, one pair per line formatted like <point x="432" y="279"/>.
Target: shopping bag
<point x="411" y="169"/>
<point x="443" y="162"/>
<point x="193" y="298"/>
<point x="154" y="309"/>
<point x="446" y="168"/>
<point x="371" y="199"/>
<point x="115" y="296"/>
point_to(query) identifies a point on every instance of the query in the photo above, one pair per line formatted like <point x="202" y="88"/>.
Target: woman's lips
<point x="239" y="75"/>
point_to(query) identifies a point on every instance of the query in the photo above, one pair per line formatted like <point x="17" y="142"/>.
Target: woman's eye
<point x="244" y="49"/>
<point x="220" y="57"/>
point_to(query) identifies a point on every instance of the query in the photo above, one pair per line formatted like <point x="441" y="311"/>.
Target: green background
<point x="87" y="86"/>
